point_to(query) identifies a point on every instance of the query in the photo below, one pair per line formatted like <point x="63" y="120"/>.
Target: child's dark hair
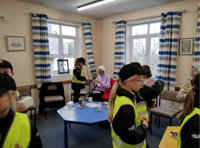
<point x="147" y="68"/>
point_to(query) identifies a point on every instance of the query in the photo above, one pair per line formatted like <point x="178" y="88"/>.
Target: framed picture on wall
<point x="63" y="66"/>
<point x="186" y="46"/>
<point x="15" y="43"/>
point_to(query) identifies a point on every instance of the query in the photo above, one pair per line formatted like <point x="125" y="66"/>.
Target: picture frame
<point x="63" y="66"/>
<point x="186" y="46"/>
<point x="15" y="43"/>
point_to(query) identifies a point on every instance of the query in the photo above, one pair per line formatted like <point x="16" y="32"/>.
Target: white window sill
<point x="57" y="75"/>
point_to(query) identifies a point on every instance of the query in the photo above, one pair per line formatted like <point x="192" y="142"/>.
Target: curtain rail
<point x="62" y="19"/>
<point x="144" y="18"/>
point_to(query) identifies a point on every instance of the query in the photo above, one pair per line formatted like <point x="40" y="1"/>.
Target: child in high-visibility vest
<point x="6" y="67"/>
<point x="78" y="78"/>
<point x="16" y="130"/>
<point x="189" y="135"/>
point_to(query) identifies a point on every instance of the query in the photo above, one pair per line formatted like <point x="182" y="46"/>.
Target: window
<point x="144" y="42"/>
<point x="62" y="45"/>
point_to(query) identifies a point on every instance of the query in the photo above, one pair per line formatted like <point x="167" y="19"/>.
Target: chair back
<point x="24" y="91"/>
<point x="52" y="89"/>
<point x="169" y="95"/>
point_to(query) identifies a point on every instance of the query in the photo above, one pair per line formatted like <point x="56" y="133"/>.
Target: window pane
<point x="53" y="29"/>
<point x="54" y="66"/>
<point x="68" y="46"/>
<point x="155" y="28"/>
<point x="139" y="29"/>
<point x="154" y="54"/>
<point x="71" y="63"/>
<point x="139" y="50"/>
<point x="53" y="45"/>
<point x="66" y="30"/>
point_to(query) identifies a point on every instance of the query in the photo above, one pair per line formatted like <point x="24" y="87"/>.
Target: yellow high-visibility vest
<point x="19" y="133"/>
<point x="194" y="112"/>
<point x="116" y="141"/>
<point x="75" y="80"/>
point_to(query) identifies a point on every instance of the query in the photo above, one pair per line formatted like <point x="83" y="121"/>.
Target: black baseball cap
<point x="82" y="60"/>
<point x="7" y="83"/>
<point x="130" y="70"/>
<point x="6" y="64"/>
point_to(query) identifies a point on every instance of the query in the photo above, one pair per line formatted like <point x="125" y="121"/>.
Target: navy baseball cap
<point x="6" y="64"/>
<point x="82" y="60"/>
<point x="7" y="83"/>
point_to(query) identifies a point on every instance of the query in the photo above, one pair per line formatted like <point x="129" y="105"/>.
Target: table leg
<point x="66" y="134"/>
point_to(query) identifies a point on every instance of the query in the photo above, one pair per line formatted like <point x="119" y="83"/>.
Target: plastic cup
<point x="90" y="99"/>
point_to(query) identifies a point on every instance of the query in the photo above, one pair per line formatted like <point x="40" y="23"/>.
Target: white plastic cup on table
<point x="90" y="99"/>
<point x="98" y="108"/>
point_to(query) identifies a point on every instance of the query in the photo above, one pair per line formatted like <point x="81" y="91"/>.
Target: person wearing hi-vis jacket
<point x="16" y="130"/>
<point x="128" y="129"/>
<point x="78" y="78"/>
<point x="189" y="134"/>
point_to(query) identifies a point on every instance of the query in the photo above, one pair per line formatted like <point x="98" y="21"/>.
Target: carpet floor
<point x="82" y="136"/>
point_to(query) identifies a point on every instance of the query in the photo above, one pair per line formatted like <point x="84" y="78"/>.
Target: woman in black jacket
<point x="189" y="135"/>
<point x="78" y="78"/>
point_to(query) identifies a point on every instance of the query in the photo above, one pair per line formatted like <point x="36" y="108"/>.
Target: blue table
<point x="84" y="116"/>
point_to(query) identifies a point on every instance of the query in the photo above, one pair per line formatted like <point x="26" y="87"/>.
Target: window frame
<point x="147" y="36"/>
<point x="60" y="38"/>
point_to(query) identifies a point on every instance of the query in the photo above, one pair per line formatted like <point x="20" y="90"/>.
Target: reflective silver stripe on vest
<point x="122" y="143"/>
<point x="75" y="79"/>
<point x="118" y="142"/>
<point x="141" y="103"/>
<point x="142" y="112"/>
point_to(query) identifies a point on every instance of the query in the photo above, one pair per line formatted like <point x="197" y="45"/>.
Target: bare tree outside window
<point x="145" y="45"/>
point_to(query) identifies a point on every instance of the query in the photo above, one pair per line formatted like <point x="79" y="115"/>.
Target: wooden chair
<point x="26" y="91"/>
<point x="165" y="111"/>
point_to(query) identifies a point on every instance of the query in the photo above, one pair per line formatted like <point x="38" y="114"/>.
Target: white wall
<point x="17" y="22"/>
<point x="187" y="30"/>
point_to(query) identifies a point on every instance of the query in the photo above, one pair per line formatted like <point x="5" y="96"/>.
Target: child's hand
<point x="21" y="108"/>
<point x="145" y="123"/>
<point x="143" y="118"/>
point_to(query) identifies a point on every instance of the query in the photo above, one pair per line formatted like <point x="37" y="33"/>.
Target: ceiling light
<point x="93" y="4"/>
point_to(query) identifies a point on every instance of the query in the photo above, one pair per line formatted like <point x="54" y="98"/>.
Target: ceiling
<point x="109" y="9"/>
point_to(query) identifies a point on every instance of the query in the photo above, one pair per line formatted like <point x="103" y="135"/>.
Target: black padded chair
<point x="51" y="96"/>
<point x="26" y="91"/>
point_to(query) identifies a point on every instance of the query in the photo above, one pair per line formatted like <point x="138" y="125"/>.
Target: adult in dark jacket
<point x="189" y="135"/>
<point x="128" y="129"/>
<point x="78" y="78"/>
<point x="16" y="130"/>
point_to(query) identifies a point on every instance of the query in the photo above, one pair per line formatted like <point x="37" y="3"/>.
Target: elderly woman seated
<point x="100" y="84"/>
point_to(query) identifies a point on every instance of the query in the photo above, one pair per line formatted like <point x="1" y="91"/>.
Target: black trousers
<point x="97" y="96"/>
<point x="76" y="94"/>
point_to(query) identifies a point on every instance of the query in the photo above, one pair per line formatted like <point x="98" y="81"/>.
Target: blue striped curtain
<point x="88" y="46"/>
<point x="119" y="60"/>
<point x="196" y="55"/>
<point x="167" y="56"/>
<point x="41" y="48"/>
